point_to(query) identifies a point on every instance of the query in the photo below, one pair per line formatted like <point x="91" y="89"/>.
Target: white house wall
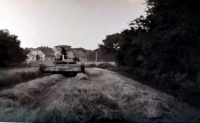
<point x="33" y="53"/>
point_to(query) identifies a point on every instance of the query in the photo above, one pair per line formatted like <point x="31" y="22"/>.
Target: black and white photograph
<point x="99" y="61"/>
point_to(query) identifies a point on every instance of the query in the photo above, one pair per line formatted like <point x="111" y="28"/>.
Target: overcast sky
<point x="79" y="23"/>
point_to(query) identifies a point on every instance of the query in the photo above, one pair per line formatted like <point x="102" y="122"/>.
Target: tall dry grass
<point x="18" y="114"/>
<point x="17" y="104"/>
<point x="17" y="75"/>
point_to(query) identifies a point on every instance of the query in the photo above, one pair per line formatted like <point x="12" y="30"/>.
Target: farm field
<point x="17" y="75"/>
<point x="97" y="96"/>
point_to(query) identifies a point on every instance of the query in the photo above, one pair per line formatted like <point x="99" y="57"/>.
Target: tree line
<point x="162" y="48"/>
<point x="10" y="51"/>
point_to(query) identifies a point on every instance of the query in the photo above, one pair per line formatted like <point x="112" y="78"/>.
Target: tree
<point x="10" y="50"/>
<point x="112" y="43"/>
<point x="174" y="24"/>
<point x="168" y="38"/>
<point x="164" y="47"/>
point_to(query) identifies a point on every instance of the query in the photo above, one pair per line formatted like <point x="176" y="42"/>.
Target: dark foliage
<point x="163" y="48"/>
<point x="99" y="56"/>
<point x="10" y="50"/>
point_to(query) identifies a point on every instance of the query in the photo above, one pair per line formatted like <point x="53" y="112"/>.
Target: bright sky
<point x="79" y="23"/>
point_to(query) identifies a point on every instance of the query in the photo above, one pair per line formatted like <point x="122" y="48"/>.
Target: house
<point x="79" y="54"/>
<point x="46" y="54"/>
<point x="40" y="54"/>
<point x="35" y="55"/>
<point x="49" y="53"/>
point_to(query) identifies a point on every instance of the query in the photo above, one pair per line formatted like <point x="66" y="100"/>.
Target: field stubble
<point x="95" y="96"/>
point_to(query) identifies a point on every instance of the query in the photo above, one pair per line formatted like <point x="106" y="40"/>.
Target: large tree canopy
<point x="168" y="38"/>
<point x="164" y="46"/>
<point x="10" y="51"/>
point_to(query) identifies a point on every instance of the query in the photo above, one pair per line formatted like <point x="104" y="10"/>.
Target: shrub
<point x="107" y="66"/>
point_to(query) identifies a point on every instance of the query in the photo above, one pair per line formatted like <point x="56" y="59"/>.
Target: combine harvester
<point x="64" y="62"/>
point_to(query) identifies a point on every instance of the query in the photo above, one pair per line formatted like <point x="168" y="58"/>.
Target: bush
<point x="108" y="66"/>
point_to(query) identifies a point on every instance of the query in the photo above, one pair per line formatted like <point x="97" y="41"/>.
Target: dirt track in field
<point x="98" y="93"/>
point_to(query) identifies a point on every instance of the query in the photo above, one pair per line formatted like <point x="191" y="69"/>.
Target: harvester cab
<point x="64" y="62"/>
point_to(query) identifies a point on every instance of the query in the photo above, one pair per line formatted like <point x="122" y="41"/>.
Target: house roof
<point x="26" y="51"/>
<point x="31" y="52"/>
<point x="78" y="53"/>
<point x="47" y="51"/>
<point x="66" y="47"/>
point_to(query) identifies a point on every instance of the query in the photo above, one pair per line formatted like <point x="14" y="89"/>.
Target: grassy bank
<point x="187" y="91"/>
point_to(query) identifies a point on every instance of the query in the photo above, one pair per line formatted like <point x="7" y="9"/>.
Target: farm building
<point x="46" y="54"/>
<point x="49" y="52"/>
<point x="35" y="55"/>
<point x="40" y="54"/>
<point x="79" y="54"/>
